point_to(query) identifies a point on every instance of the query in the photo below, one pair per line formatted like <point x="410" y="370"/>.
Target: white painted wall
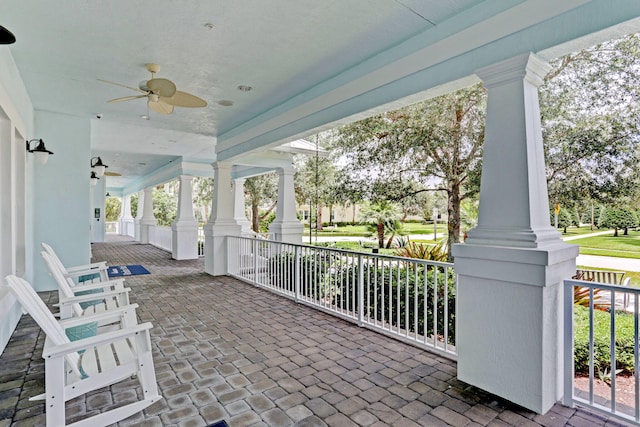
<point x="98" y="199"/>
<point x="16" y="120"/>
<point x="61" y="189"/>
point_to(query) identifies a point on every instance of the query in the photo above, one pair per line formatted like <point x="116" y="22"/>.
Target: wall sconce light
<point x="40" y="152"/>
<point x="6" y="36"/>
<point x="94" y="179"/>
<point x="98" y="166"/>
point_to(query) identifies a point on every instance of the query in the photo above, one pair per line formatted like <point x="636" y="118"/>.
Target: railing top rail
<point x="598" y="285"/>
<point x="346" y="251"/>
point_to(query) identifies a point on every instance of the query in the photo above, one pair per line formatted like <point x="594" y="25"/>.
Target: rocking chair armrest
<point x="113" y="315"/>
<point x="98" y="266"/>
<point x="92" y="297"/>
<point x="52" y="351"/>
<point x="115" y="284"/>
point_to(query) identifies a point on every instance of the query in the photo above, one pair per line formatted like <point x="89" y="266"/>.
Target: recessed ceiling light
<point x="225" y="103"/>
<point x="142" y="164"/>
<point x="144" y="117"/>
<point x="209" y="26"/>
<point x="244" y="88"/>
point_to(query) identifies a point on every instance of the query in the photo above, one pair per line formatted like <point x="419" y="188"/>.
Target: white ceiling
<point x="284" y="49"/>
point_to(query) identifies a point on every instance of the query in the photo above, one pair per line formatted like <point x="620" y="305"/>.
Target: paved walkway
<point x="227" y="350"/>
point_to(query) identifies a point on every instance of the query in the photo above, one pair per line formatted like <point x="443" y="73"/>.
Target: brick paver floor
<point x="227" y="350"/>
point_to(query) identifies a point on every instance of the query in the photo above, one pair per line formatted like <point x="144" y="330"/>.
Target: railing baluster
<point x="364" y="288"/>
<point x="613" y="350"/>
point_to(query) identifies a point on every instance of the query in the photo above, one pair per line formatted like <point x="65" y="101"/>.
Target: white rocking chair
<point x="112" y="293"/>
<point x="80" y="270"/>
<point x="107" y="358"/>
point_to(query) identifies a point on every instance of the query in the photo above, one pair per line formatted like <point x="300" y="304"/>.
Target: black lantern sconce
<point x="40" y="152"/>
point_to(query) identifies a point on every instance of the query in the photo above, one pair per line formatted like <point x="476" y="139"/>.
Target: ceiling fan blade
<point x="162" y="87"/>
<point x="121" y="85"/>
<point x="160" y="107"/>
<point x="183" y="99"/>
<point x="127" y="98"/>
<point x="112" y="174"/>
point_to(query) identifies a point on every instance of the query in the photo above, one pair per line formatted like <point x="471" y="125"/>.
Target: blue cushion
<point x="82" y="331"/>
<point x="86" y="304"/>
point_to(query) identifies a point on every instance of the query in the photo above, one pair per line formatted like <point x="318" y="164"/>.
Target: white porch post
<point x="509" y="325"/>
<point x="147" y="219"/>
<point x="184" y="230"/>
<point x="136" y="222"/>
<point x="239" y="213"/>
<point x="126" y="219"/>
<point x="286" y="227"/>
<point x="221" y="223"/>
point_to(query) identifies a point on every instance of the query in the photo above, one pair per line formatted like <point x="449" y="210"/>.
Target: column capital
<point x="528" y="67"/>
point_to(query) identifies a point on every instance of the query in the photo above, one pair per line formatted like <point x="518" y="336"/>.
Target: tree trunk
<point x="255" y="216"/>
<point x="380" y="235"/>
<point x="319" y="216"/>
<point x="615" y="232"/>
<point x="626" y="231"/>
<point x="453" y="223"/>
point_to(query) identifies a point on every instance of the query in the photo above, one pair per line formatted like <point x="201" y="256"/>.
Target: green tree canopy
<point x="436" y="144"/>
<point x="590" y="115"/>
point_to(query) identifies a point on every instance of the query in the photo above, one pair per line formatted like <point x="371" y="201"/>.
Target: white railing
<point x="410" y="299"/>
<point x="200" y="241"/>
<point x="601" y="346"/>
<point x="128" y="228"/>
<point x="160" y="237"/>
<point x="112" y="227"/>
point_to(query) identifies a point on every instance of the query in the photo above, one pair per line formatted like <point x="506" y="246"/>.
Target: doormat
<point x="220" y="424"/>
<point x="126" y="270"/>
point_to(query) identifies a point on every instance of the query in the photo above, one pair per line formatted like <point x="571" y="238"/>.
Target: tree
<point x="165" y="207"/>
<point x="564" y="218"/>
<point x="112" y="208"/>
<point x="436" y="143"/>
<point x="383" y="215"/>
<point x="315" y="182"/>
<point x="615" y="217"/>
<point x="590" y="110"/>
<point x="261" y="191"/>
<point x="202" y="196"/>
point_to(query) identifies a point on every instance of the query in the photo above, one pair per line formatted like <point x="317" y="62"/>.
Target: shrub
<point x="328" y="277"/>
<point x="437" y="252"/>
<point x="601" y="340"/>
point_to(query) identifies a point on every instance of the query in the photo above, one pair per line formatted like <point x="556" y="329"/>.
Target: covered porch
<point x="224" y="349"/>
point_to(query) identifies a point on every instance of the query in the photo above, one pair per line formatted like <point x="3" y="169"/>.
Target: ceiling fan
<point x="161" y="94"/>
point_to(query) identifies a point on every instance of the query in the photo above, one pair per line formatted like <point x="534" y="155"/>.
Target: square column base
<point x="184" y="241"/>
<point x="287" y="232"/>
<point x="509" y="320"/>
<point x="215" y="246"/>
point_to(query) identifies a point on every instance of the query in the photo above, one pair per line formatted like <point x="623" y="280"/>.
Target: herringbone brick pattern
<point x="227" y="350"/>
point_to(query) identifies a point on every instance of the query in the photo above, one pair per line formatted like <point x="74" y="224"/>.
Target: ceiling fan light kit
<point x="162" y="94"/>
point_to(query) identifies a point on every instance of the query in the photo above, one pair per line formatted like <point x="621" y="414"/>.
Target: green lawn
<point x="361" y="230"/>
<point x="577" y="231"/>
<point x="607" y="245"/>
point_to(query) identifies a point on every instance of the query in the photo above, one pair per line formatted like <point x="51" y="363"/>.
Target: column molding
<point x="239" y="212"/>
<point x="286" y="227"/>
<point x="147" y="219"/>
<point x="184" y="230"/>
<point x="221" y="223"/>
<point x="510" y="270"/>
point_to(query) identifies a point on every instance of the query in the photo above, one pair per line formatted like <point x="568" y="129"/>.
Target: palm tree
<point x="383" y="216"/>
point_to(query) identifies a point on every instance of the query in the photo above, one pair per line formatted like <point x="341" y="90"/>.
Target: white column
<point x="239" y="212"/>
<point x="184" y="230"/>
<point x="286" y="227"/>
<point x="147" y="219"/>
<point x="126" y="219"/>
<point x="136" y="222"/>
<point x="221" y="223"/>
<point x="509" y="311"/>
